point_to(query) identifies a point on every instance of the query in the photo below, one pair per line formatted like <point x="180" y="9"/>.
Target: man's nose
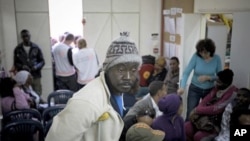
<point x="128" y="75"/>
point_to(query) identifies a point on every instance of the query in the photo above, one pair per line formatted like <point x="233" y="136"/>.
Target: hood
<point x="169" y="104"/>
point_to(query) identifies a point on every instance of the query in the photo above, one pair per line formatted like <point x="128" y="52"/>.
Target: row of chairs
<point x="30" y="124"/>
<point x="59" y="97"/>
<point x="23" y="124"/>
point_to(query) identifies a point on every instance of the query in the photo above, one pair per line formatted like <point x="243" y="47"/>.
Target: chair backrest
<point x="28" y="130"/>
<point x="25" y="114"/>
<point x="59" y="97"/>
<point x="48" y="115"/>
<point x="50" y="112"/>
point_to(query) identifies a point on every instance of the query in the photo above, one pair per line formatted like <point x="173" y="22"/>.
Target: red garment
<point x="219" y="106"/>
<point x="145" y="71"/>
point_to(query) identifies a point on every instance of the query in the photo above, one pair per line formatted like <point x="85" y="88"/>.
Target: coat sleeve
<point x="71" y="123"/>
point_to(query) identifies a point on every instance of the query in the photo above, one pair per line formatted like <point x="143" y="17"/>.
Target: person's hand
<point x="203" y="78"/>
<point x="193" y="116"/>
<point x="145" y="119"/>
<point x="13" y="71"/>
<point x="33" y="68"/>
<point x="31" y="103"/>
<point x="25" y="67"/>
<point x="180" y="91"/>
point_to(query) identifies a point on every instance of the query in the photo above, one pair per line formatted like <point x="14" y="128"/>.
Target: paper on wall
<point x="179" y="25"/>
<point x="173" y="11"/>
<point x="179" y="10"/>
<point x="172" y="51"/>
<point x="177" y="47"/>
<point x="166" y="12"/>
<point x="169" y="24"/>
<point x="166" y="52"/>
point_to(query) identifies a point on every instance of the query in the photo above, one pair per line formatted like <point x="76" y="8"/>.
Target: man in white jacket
<point x="95" y="112"/>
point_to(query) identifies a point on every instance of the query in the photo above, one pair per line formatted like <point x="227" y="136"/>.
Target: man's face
<point x="241" y="99"/>
<point x="25" y="37"/>
<point x="163" y="91"/>
<point x="122" y="77"/>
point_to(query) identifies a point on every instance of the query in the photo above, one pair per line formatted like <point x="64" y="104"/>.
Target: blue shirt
<point x="119" y="101"/>
<point x="201" y="67"/>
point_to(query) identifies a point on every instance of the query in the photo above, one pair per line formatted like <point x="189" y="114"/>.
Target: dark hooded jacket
<point x="170" y="122"/>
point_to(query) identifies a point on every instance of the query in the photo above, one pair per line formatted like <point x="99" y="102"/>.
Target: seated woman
<point x="206" y="117"/>
<point x="172" y="78"/>
<point x="13" y="98"/>
<point x="171" y="121"/>
<point x="159" y="70"/>
<point x="24" y="81"/>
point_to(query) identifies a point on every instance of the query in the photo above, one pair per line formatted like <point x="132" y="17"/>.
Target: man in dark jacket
<point x="28" y="56"/>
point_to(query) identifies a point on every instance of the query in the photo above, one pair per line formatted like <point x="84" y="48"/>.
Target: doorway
<point x="219" y="29"/>
<point x="65" y="16"/>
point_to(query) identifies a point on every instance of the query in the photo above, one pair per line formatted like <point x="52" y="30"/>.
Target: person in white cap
<point x="24" y="81"/>
<point x="95" y="112"/>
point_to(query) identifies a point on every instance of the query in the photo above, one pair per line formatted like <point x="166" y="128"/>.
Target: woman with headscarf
<point x="13" y="98"/>
<point x="171" y="121"/>
<point x="24" y="81"/>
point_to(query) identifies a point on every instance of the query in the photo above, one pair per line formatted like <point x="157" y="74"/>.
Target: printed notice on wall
<point x="169" y="50"/>
<point x="166" y="50"/>
<point x="179" y="25"/>
<point x="169" y="24"/>
<point x="172" y="50"/>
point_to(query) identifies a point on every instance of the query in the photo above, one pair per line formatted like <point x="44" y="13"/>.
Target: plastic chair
<point x="25" y="114"/>
<point x="48" y="115"/>
<point x="28" y="130"/>
<point x="59" y="97"/>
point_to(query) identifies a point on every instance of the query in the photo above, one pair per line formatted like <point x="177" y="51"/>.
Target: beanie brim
<point x="122" y="59"/>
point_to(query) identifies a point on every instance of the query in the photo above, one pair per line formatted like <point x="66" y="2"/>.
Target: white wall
<point x="34" y="16"/>
<point x="240" y="49"/>
<point x="9" y="31"/>
<point x="105" y="19"/>
<point x="1" y="36"/>
<point x="193" y="30"/>
<point x="218" y="33"/>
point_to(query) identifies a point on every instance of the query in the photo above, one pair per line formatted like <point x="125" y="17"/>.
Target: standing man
<point x="65" y="71"/>
<point x="94" y="112"/>
<point x="28" y="56"/>
<point x="86" y="63"/>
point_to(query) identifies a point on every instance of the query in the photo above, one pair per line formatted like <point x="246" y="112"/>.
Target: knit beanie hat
<point x="21" y="77"/>
<point x="226" y="76"/>
<point x="121" y="50"/>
